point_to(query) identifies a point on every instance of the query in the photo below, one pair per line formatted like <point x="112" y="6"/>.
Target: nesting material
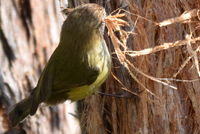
<point x="116" y="23"/>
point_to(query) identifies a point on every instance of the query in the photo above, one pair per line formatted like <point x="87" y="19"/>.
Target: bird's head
<point x="85" y="18"/>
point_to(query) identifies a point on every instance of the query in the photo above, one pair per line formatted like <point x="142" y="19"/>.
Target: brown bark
<point x="171" y="111"/>
<point x="29" y="32"/>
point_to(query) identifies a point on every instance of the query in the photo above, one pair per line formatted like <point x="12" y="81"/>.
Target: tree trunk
<point x="29" y="32"/>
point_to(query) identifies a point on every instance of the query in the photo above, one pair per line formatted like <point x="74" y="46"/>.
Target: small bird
<point x="77" y="67"/>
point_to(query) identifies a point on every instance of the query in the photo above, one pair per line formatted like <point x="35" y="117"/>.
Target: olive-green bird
<point x="78" y="66"/>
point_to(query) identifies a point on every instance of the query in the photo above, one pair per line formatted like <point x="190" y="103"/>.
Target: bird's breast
<point x="97" y="57"/>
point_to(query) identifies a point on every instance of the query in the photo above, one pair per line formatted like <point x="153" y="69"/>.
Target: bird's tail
<point x="20" y="111"/>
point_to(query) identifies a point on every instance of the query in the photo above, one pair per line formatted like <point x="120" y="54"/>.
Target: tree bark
<point x="29" y="32"/>
<point x="170" y="110"/>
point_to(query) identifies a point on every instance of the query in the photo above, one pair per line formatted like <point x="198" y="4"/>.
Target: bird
<point x="78" y="66"/>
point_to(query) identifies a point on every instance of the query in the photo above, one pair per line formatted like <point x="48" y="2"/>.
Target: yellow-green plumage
<point x="78" y="66"/>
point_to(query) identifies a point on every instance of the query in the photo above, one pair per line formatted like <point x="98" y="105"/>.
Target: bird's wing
<point x="67" y="72"/>
<point x="59" y="75"/>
